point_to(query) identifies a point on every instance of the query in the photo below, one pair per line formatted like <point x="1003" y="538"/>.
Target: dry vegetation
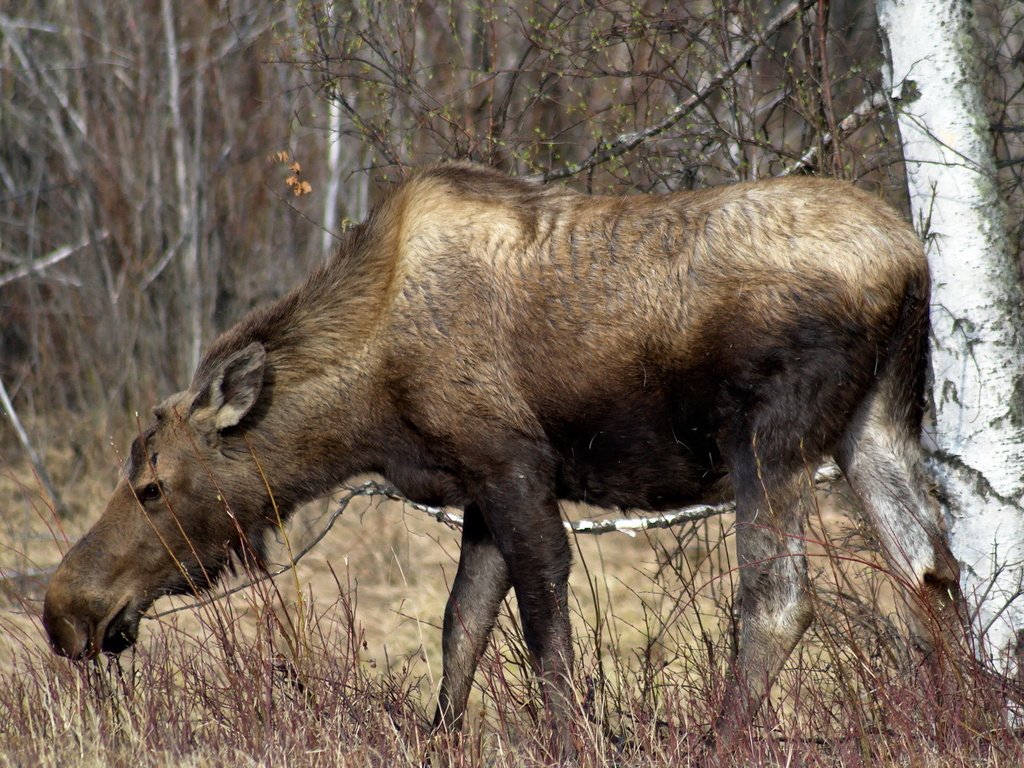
<point x="336" y="661"/>
<point x="144" y="207"/>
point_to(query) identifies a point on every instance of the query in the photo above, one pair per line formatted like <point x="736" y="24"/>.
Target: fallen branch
<point x="823" y="478"/>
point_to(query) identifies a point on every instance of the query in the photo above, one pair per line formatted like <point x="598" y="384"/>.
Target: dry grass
<point x="337" y="661"/>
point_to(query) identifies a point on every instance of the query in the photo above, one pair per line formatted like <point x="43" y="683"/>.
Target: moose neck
<point x="309" y="435"/>
<point x="315" y="408"/>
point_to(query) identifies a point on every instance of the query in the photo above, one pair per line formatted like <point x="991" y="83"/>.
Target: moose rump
<point x="499" y="345"/>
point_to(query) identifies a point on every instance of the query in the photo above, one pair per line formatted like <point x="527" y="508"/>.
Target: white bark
<point x="186" y="196"/>
<point x="330" y="233"/>
<point x="976" y="302"/>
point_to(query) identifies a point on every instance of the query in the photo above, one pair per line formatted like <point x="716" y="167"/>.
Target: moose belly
<point x="656" y="464"/>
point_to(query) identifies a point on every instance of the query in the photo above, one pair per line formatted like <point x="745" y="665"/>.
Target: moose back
<point x="496" y="344"/>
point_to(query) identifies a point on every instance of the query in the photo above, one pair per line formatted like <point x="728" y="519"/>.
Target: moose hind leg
<point x="481" y="583"/>
<point x="775" y="607"/>
<point x="881" y="458"/>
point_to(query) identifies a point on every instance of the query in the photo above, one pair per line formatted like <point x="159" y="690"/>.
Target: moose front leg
<point x="480" y="585"/>
<point x="522" y="514"/>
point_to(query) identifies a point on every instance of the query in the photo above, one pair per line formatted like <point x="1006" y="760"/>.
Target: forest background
<point x="165" y="167"/>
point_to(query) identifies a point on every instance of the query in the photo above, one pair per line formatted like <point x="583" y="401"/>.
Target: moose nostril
<point x="69" y="635"/>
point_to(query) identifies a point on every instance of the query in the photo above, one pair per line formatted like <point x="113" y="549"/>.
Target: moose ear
<point x="233" y="388"/>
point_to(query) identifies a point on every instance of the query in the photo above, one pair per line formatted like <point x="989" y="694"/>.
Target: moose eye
<point x="149" y="492"/>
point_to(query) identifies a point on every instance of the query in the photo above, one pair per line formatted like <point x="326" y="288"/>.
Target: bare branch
<point x="625" y="142"/>
<point x="826" y="475"/>
<point x="861" y="115"/>
<point x="53" y="257"/>
<point x="33" y="455"/>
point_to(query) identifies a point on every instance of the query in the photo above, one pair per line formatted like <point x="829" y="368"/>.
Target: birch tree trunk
<point x="187" y="191"/>
<point x="330" y="234"/>
<point x="977" y="360"/>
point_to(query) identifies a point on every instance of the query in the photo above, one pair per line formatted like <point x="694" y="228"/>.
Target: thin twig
<point x="343" y="503"/>
<point x="860" y="116"/>
<point x="625" y="142"/>
<point x="53" y="257"/>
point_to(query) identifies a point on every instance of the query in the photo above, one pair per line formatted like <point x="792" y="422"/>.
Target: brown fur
<point x="498" y="345"/>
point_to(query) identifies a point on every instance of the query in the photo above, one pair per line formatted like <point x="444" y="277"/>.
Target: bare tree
<point x="632" y="95"/>
<point x="134" y="155"/>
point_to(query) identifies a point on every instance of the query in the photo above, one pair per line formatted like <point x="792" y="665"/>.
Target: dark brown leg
<point x="481" y="583"/>
<point x="523" y="516"/>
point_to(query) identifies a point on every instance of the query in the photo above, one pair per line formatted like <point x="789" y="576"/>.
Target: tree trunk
<point x="977" y="435"/>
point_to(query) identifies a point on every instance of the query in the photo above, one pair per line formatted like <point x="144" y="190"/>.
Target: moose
<point x="499" y="345"/>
